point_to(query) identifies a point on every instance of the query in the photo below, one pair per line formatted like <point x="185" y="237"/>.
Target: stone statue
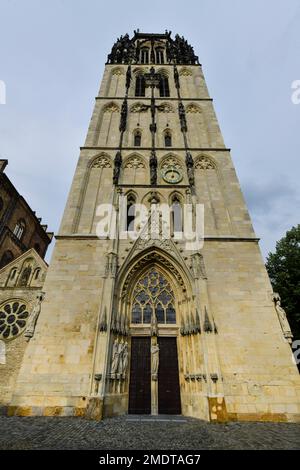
<point x="125" y="359"/>
<point x="176" y="78"/>
<point x="31" y="324"/>
<point x="128" y="77"/>
<point x="117" y="167"/>
<point x="123" y="119"/>
<point x="154" y="361"/>
<point x="182" y="118"/>
<point x="120" y="354"/>
<point x="2" y="353"/>
<point x="153" y="168"/>
<point x="190" y="168"/>
<point x="115" y="359"/>
<point x="282" y="318"/>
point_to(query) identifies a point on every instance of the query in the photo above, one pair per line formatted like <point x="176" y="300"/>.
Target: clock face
<point x="172" y="175"/>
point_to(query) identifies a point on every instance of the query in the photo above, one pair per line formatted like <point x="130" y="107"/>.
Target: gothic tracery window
<point x="13" y="315"/>
<point x="140" y="85"/>
<point x="153" y="294"/>
<point x="159" y="52"/>
<point x="145" y="56"/>
<point x="19" y="229"/>
<point x="164" y="89"/>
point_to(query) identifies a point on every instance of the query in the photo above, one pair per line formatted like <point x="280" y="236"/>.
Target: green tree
<point x="283" y="267"/>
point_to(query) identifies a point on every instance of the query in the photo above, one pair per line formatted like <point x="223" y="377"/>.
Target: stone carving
<point x="185" y="72"/>
<point x="101" y="162"/>
<point x="154" y="361"/>
<point x="197" y="323"/>
<point x="115" y="359"/>
<point x="139" y="108"/>
<point x="214" y="378"/>
<point x="153" y="168"/>
<point x="117" y="71"/>
<point x="125" y="355"/>
<point x="179" y="51"/>
<point x="182" y="118"/>
<point x="111" y="266"/>
<point x="198" y="266"/>
<point x="208" y="328"/>
<point x="123" y="51"/>
<point x="176" y="78"/>
<point x="103" y="320"/>
<point x="119" y="362"/>
<point x="127" y="51"/>
<point x="123" y="119"/>
<point x="191" y="326"/>
<point x="204" y="163"/>
<point x="117" y="167"/>
<point x="30" y="327"/>
<point x="148" y="259"/>
<point x="193" y="108"/>
<point x="165" y="108"/>
<point x="282" y="318"/>
<point x="123" y="326"/>
<point x="171" y="162"/>
<point x="134" y="162"/>
<point x="111" y="108"/>
<point x="190" y="168"/>
<point x="2" y="353"/>
<point x="128" y="77"/>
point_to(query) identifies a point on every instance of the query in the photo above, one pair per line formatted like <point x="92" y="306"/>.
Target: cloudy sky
<point x="52" y="58"/>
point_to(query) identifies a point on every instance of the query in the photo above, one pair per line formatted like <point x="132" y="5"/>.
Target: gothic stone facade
<point x="145" y="325"/>
<point x="21" y="282"/>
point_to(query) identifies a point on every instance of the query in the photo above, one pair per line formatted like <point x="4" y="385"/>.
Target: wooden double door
<point x="168" y="392"/>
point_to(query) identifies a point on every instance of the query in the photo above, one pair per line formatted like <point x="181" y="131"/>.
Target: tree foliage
<point x="283" y="267"/>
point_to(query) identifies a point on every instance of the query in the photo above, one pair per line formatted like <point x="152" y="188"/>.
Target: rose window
<point x="13" y="316"/>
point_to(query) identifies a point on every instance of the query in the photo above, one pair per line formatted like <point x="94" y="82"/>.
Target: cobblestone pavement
<point x="131" y="432"/>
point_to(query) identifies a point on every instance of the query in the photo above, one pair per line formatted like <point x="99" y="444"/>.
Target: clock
<point x="172" y="175"/>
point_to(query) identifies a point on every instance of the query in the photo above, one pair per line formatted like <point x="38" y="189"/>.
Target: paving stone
<point x="146" y="434"/>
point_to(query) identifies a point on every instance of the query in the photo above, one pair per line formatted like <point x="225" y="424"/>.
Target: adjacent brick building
<point x="20" y="228"/>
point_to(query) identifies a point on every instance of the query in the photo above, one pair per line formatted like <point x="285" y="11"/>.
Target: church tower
<point x="134" y="321"/>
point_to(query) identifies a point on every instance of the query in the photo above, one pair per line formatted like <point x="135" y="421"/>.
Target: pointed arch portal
<point x="152" y="295"/>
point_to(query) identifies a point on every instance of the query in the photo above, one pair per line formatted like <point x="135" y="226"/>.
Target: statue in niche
<point x="120" y="354"/>
<point x="154" y="361"/>
<point x="125" y="355"/>
<point x="30" y="328"/>
<point x="153" y="168"/>
<point x="115" y="359"/>
<point x="282" y="318"/>
<point x="117" y="167"/>
<point x="2" y="353"/>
